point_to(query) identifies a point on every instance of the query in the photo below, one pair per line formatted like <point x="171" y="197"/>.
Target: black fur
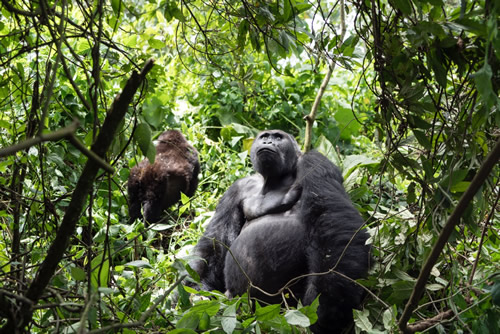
<point x="292" y="219"/>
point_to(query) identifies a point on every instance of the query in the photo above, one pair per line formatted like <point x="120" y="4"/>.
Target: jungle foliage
<point x="411" y="114"/>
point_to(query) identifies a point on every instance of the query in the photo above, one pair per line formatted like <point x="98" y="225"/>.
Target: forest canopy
<point x="402" y="95"/>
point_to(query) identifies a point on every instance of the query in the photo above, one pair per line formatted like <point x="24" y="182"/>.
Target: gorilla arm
<point x="223" y="229"/>
<point x="335" y="230"/>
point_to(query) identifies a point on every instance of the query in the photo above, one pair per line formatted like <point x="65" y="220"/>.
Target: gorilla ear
<point x="295" y="144"/>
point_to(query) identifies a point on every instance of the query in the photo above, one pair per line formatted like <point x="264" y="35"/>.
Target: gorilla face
<point x="275" y="153"/>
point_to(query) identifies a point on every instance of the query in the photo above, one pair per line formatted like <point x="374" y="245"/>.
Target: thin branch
<point x="311" y="117"/>
<point x="91" y="155"/>
<point x="64" y="133"/>
<point x="52" y="136"/>
<point x="422" y="325"/>
<point x="453" y="220"/>
<point x="48" y="89"/>
<point x="18" y="11"/>
<point x="483" y="234"/>
<point x="78" y="92"/>
<point x="144" y="316"/>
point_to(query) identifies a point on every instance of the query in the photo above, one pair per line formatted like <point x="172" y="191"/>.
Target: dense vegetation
<point x="410" y="114"/>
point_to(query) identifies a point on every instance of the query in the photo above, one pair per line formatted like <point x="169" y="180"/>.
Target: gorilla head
<point x="274" y="153"/>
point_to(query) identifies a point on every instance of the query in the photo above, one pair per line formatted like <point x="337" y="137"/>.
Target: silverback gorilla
<point x="293" y="218"/>
<point x="155" y="187"/>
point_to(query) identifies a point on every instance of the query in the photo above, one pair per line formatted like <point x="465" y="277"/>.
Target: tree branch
<point x="68" y="226"/>
<point x="453" y="220"/>
<point x="52" y="136"/>
<point x="64" y="133"/>
<point x="18" y="11"/>
<point x="422" y="325"/>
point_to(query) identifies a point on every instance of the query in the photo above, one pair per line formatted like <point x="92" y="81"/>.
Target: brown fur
<point x="156" y="187"/>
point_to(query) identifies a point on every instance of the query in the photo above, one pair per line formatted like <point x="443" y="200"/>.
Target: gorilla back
<point x="156" y="187"/>
<point x="292" y="219"/>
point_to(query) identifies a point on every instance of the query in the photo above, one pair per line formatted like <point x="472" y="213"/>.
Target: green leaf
<point x="482" y="78"/>
<point x="100" y="272"/>
<point x="460" y="187"/>
<point x="302" y="7"/>
<point x="287" y="10"/>
<point x="438" y="67"/>
<point x="454" y="178"/>
<point x="229" y="319"/>
<point x="190" y="320"/>
<point x="156" y="43"/>
<point x="495" y="293"/>
<point x="311" y="311"/>
<point x="242" y="33"/>
<point x="411" y="197"/>
<point x="171" y="11"/>
<point x="142" y="137"/>
<point x="434" y="287"/>
<point x="138" y="264"/>
<point x="193" y="273"/>
<point x="404" y="6"/>
<point x="117" y="7"/>
<point x="362" y="321"/>
<point x="254" y="39"/>
<point x="264" y="15"/>
<point x="211" y="307"/>
<point x="475" y="27"/>
<point x="422" y="139"/>
<point x="348" y="124"/>
<point x="353" y="162"/>
<point x="267" y="312"/>
<point x="235" y="140"/>
<point x="182" y="331"/>
<point x="401" y="291"/>
<point x="204" y="322"/>
<point x="297" y="318"/>
<point x="285" y="42"/>
<point x="78" y="273"/>
<point x="388" y="318"/>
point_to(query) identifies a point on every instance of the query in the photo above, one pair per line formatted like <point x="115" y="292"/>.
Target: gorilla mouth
<point x="265" y="150"/>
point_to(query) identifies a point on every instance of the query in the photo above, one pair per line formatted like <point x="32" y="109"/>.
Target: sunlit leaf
<point x="138" y="264"/>
<point x="142" y="136"/>
<point x="297" y="318"/>
<point x="190" y="320"/>
<point x="100" y="271"/>
<point x="229" y="319"/>
<point x="267" y="313"/>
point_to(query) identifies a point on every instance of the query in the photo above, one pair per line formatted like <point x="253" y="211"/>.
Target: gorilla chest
<point x="258" y="202"/>
<point x="270" y="251"/>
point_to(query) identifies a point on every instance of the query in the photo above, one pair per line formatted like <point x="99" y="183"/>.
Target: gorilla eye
<point x="279" y="137"/>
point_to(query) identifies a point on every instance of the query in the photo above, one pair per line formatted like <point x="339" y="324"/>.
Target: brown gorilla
<point x="155" y="187"/>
